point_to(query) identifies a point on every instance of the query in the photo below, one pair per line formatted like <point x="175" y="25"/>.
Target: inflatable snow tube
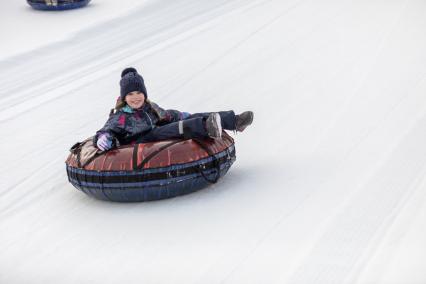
<point x="153" y="171"/>
<point x="56" y="5"/>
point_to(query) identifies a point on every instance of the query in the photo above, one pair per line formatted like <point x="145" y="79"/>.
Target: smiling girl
<point x="137" y="119"/>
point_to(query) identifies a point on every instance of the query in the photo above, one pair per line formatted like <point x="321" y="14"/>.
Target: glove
<point x="185" y="115"/>
<point x="104" y="142"/>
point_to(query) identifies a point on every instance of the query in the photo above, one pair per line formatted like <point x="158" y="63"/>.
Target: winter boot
<point x="214" y="125"/>
<point x="243" y="120"/>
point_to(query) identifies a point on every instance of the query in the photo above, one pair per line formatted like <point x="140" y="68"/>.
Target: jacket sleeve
<point x="169" y="115"/>
<point x="115" y="126"/>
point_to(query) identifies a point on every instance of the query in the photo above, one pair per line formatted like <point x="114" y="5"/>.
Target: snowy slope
<point x="330" y="181"/>
<point x="24" y="29"/>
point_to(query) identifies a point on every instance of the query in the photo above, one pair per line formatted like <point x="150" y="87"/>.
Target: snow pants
<point x="192" y="127"/>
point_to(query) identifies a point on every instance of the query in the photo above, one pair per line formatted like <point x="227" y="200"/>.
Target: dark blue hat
<point x="131" y="81"/>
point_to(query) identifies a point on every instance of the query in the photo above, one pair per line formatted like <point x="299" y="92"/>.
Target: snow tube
<point x="55" y="5"/>
<point x="152" y="171"/>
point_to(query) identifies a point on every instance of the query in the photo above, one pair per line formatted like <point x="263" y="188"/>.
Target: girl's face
<point x="135" y="99"/>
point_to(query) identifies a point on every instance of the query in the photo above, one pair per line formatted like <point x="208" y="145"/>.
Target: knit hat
<point x="131" y="81"/>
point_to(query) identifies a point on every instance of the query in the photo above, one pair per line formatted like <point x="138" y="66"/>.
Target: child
<point x="138" y="119"/>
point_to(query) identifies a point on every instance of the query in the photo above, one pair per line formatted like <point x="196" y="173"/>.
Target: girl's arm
<point x="113" y="127"/>
<point x="169" y="115"/>
<point x="175" y="115"/>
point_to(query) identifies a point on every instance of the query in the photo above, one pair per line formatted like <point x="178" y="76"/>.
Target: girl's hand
<point x="185" y="115"/>
<point x="104" y="142"/>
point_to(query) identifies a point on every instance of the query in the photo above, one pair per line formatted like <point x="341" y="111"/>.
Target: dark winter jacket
<point x="127" y="125"/>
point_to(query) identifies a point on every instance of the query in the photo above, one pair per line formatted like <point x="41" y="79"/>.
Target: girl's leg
<point x="227" y="117"/>
<point x="189" y="128"/>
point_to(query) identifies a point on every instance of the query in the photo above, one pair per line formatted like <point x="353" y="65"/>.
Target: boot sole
<point x="219" y="124"/>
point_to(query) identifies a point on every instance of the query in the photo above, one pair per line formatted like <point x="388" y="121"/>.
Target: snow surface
<point x="330" y="181"/>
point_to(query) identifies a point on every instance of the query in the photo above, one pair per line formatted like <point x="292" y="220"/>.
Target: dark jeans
<point x="192" y="127"/>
